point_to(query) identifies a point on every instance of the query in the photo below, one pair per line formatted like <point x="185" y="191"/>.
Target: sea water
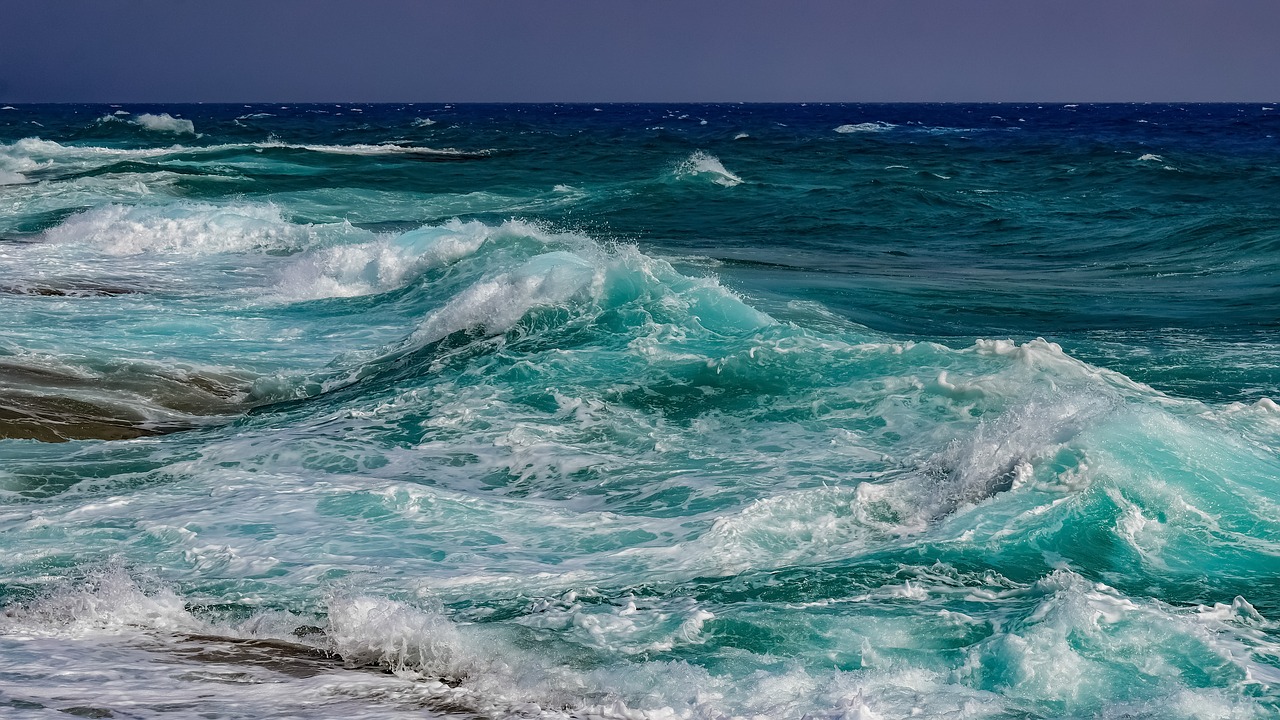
<point x="640" y="411"/>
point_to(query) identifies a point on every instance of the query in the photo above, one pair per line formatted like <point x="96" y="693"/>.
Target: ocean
<point x="640" y="412"/>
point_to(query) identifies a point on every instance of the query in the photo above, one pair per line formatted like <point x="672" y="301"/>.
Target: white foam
<point x="741" y="136"/>
<point x="108" y="601"/>
<point x="9" y="177"/>
<point x="423" y="122"/>
<point x="384" y="264"/>
<point x="181" y="228"/>
<point x="164" y="122"/>
<point x="1150" y="158"/>
<point x="372" y="150"/>
<point x="703" y="163"/>
<point x="34" y="153"/>
<point x="362" y="149"/>
<point x="1040" y="354"/>
<point x="999" y="453"/>
<point x="865" y="127"/>
<point x="1066" y="649"/>
<point x="623" y="627"/>
<point x="75" y="193"/>
<point x="499" y="303"/>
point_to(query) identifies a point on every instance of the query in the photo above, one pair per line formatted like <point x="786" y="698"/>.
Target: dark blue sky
<point x="657" y="50"/>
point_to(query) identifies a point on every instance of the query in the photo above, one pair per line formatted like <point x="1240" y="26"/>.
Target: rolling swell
<point x="635" y="419"/>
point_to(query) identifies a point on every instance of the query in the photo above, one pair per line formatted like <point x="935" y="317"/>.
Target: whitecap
<point x="164" y="122"/>
<point x="865" y="127"/>
<point x="181" y="228"/>
<point x="384" y="149"/>
<point x="383" y="264"/>
<point x="34" y="153"/>
<point x="499" y="303"/>
<point x="703" y="163"/>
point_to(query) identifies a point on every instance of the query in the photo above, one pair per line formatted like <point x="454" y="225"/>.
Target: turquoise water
<point x="732" y="411"/>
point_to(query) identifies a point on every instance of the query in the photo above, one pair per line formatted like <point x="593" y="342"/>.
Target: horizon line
<point x="642" y="102"/>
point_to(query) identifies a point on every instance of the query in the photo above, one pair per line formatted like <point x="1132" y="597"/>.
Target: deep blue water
<point x="620" y="411"/>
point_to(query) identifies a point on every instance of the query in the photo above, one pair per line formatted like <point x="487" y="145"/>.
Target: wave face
<point x="640" y="411"/>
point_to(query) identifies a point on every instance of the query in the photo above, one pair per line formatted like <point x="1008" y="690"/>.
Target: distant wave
<point x="387" y="149"/>
<point x="701" y="163"/>
<point x="164" y="122"/>
<point x="865" y="127"/>
<point x="34" y="153"/>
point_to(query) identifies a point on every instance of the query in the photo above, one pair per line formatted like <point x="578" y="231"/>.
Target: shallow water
<point x="837" y="411"/>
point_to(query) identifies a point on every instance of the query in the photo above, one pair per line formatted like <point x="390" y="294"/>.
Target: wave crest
<point x="164" y="122"/>
<point x="704" y="164"/>
<point x="865" y="127"/>
<point x="184" y="228"/>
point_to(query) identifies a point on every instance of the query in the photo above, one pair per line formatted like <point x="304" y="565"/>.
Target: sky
<point x="639" y="51"/>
